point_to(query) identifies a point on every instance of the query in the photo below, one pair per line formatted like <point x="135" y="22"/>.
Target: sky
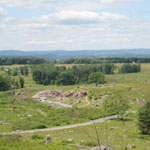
<point x="74" y="24"/>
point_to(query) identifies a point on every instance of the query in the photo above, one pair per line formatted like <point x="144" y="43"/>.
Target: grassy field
<point x="22" y="112"/>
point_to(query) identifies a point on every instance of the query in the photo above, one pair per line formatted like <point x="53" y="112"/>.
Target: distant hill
<point x="65" y="54"/>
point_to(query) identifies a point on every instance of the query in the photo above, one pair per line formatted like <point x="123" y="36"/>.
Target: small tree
<point x="97" y="78"/>
<point x="116" y="105"/>
<point x="21" y="82"/>
<point x="66" y="78"/>
<point x="144" y="118"/>
<point x="5" y="83"/>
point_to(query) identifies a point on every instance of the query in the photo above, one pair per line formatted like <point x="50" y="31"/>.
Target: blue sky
<point x="74" y="24"/>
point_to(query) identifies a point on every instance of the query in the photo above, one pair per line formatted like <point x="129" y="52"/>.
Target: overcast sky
<point x="74" y="24"/>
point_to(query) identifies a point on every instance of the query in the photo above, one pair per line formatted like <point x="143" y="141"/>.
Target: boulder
<point x="48" y="139"/>
<point x="131" y="146"/>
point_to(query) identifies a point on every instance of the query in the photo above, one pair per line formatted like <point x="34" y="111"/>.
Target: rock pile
<point x="60" y="94"/>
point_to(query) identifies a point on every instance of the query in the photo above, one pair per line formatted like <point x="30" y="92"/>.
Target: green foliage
<point x="35" y="136"/>
<point x="21" y="82"/>
<point x="8" y="83"/>
<point x="89" y="143"/>
<point x="116" y="105"/>
<point x="40" y="126"/>
<point x="130" y="68"/>
<point x="144" y="118"/>
<point x="48" y="74"/>
<point x="11" y="61"/>
<point x="66" y="78"/>
<point x="5" y="83"/>
<point x="24" y="70"/>
<point x="106" y="60"/>
<point x="97" y="78"/>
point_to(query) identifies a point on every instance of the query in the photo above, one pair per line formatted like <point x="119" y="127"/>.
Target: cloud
<point x="83" y="26"/>
<point x="109" y="2"/>
<point x="86" y="17"/>
<point x="61" y="4"/>
<point x="32" y="4"/>
<point x="3" y="12"/>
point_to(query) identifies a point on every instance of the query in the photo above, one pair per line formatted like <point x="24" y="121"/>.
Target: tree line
<point x="8" y="83"/>
<point x="12" y="61"/>
<point x="22" y="70"/>
<point x="130" y="68"/>
<point x="49" y="74"/>
<point x="105" y="60"/>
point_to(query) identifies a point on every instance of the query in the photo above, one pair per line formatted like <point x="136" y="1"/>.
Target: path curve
<point x="61" y="127"/>
<point x="88" y="103"/>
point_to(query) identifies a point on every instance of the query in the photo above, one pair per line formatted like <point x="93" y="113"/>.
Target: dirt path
<point x="86" y="99"/>
<point x="61" y="127"/>
<point x="88" y="102"/>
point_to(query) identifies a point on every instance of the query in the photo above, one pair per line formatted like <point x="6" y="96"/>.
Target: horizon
<point x="32" y="25"/>
<point x="78" y="50"/>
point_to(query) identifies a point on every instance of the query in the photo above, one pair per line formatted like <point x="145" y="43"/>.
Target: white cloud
<point x="3" y="12"/>
<point x="61" y="4"/>
<point x="87" y="17"/>
<point x="78" y="27"/>
<point x="31" y="4"/>
<point x="108" y="2"/>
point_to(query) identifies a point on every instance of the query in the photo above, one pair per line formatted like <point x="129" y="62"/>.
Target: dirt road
<point x="61" y="127"/>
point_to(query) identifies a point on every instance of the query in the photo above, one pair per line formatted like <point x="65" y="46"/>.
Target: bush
<point x="130" y="68"/>
<point x="89" y="143"/>
<point x="41" y="126"/>
<point x="144" y="118"/>
<point x="37" y="137"/>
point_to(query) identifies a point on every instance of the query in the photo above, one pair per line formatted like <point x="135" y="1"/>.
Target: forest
<point x="12" y="61"/>
<point x="77" y="74"/>
<point x="105" y="60"/>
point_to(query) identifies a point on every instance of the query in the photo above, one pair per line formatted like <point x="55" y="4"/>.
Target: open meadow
<point x="39" y="106"/>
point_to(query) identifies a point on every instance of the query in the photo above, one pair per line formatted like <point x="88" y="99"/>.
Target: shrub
<point x="35" y="136"/>
<point x="41" y="126"/>
<point x="144" y="118"/>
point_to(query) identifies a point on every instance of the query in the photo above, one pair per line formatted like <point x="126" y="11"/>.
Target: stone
<point x="13" y="92"/>
<point x="70" y="140"/>
<point x="78" y="102"/>
<point x="18" y="93"/>
<point x="111" y="128"/>
<point x="21" y="100"/>
<point x="131" y="146"/>
<point x="101" y="147"/>
<point x="48" y="139"/>
<point x="110" y="148"/>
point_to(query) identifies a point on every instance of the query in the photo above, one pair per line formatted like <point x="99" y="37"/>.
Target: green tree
<point x="66" y="78"/>
<point x="97" y="78"/>
<point x="21" y="82"/>
<point x="144" y="118"/>
<point x="5" y="83"/>
<point x="116" y="105"/>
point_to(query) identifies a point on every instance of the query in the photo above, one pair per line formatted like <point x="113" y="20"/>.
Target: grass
<point x="31" y="114"/>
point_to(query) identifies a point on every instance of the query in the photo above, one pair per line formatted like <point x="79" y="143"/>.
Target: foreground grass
<point x="113" y="133"/>
<point x="30" y="114"/>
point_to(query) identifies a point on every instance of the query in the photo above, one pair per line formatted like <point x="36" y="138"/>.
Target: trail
<point x="88" y="102"/>
<point x="86" y="99"/>
<point x="61" y="127"/>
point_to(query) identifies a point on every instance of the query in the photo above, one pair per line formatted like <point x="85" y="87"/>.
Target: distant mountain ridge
<point x="65" y="54"/>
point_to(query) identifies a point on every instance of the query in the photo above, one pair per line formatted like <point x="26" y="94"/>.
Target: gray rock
<point x="48" y="139"/>
<point x="70" y="140"/>
<point x="131" y="146"/>
<point x="111" y="128"/>
<point x="110" y="148"/>
<point x="13" y="92"/>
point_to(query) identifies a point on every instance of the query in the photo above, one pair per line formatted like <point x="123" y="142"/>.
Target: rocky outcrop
<point x="60" y="94"/>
